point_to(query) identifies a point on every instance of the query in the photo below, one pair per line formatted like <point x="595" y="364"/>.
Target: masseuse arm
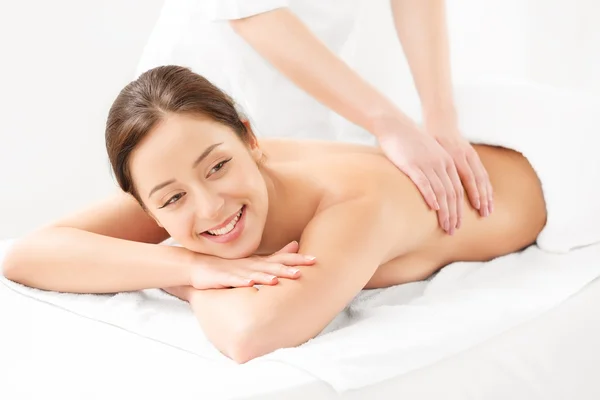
<point x="422" y="29"/>
<point x="282" y="39"/>
<point x="350" y="240"/>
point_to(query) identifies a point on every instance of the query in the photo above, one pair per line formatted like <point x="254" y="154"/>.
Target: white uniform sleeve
<point x="236" y="9"/>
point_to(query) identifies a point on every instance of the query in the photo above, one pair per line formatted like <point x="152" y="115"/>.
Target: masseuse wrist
<point x="441" y="121"/>
<point x="391" y="123"/>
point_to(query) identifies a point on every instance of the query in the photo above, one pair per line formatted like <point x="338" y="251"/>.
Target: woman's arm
<point x="109" y="247"/>
<point x="350" y="240"/>
<point x="112" y="247"/>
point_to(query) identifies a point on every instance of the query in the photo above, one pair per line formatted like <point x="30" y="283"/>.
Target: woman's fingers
<point x="263" y="278"/>
<point x="292" y="259"/>
<point x="291" y="247"/>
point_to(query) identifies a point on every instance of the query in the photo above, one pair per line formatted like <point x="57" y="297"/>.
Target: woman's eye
<point x="217" y="167"/>
<point x="173" y="199"/>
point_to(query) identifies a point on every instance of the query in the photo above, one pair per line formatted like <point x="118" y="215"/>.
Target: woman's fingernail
<point x="446" y="226"/>
<point x="294" y="271"/>
<point x="436" y="205"/>
<point x="310" y="258"/>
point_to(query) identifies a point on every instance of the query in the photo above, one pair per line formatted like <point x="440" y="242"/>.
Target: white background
<point x="63" y="62"/>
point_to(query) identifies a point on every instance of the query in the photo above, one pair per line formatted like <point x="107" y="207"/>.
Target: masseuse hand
<point x="470" y="168"/>
<point x="427" y="164"/>
<point x="255" y="270"/>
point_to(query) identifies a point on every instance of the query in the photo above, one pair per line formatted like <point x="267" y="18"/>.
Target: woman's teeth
<point x="229" y="227"/>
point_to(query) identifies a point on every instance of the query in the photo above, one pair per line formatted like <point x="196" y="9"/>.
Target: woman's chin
<point x="229" y="253"/>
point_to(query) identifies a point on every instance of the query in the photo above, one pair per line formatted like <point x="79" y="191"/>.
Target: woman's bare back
<point x="518" y="217"/>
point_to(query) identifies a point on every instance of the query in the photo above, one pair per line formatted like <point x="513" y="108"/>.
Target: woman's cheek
<point x="179" y="225"/>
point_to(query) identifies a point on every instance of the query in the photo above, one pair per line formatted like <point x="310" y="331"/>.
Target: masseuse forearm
<point x="422" y="30"/>
<point x="72" y="260"/>
<point x="283" y="40"/>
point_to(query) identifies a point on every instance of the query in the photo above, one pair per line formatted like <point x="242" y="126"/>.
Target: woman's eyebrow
<point x="205" y="154"/>
<point x="202" y="156"/>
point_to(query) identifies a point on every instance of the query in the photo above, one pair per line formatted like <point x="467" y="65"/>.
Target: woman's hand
<point x="256" y="270"/>
<point x="427" y="164"/>
<point x="472" y="173"/>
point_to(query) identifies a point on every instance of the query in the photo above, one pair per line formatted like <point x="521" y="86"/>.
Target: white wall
<point x="63" y="62"/>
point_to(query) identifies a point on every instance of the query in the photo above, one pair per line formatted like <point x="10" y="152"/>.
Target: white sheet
<point x="48" y="352"/>
<point x="383" y="333"/>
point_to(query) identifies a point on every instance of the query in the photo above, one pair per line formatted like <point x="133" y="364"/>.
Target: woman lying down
<point x="249" y="213"/>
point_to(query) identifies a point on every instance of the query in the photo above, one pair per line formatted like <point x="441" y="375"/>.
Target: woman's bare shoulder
<point x="293" y="150"/>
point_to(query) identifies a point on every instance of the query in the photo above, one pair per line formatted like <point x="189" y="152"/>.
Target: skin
<point x="435" y="156"/>
<point x="364" y="221"/>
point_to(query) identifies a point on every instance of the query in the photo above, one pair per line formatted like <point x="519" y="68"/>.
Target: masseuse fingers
<point x="450" y="200"/>
<point x="458" y="190"/>
<point x="424" y="185"/>
<point x="438" y="187"/>
<point x="490" y="197"/>
<point x="481" y="180"/>
<point x="468" y="180"/>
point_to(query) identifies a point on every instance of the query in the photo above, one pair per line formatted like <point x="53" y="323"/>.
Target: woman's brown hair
<point x="143" y="103"/>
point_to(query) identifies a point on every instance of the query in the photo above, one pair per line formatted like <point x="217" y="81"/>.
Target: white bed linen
<point x="47" y="352"/>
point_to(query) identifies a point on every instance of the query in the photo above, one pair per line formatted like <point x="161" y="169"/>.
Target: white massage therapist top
<point x="196" y="34"/>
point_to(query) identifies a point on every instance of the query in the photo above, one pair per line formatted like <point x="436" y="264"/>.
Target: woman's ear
<point x="255" y="150"/>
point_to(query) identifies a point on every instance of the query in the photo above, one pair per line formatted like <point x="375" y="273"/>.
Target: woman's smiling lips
<point x="233" y="234"/>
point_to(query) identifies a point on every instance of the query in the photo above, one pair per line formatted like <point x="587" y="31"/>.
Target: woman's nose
<point x="208" y="205"/>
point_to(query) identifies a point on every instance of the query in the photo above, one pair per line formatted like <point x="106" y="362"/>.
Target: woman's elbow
<point x="246" y="343"/>
<point x="10" y="266"/>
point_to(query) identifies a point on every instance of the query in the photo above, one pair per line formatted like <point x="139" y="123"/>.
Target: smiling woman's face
<point x="201" y="183"/>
